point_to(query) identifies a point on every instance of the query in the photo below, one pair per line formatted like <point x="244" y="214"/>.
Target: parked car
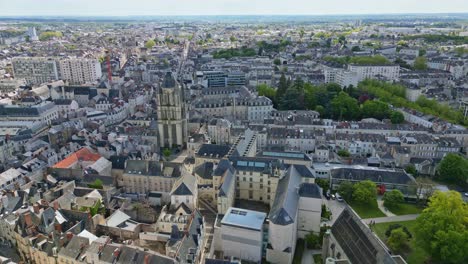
<point x="333" y="196"/>
<point x="327" y="195"/>
<point x="339" y="198"/>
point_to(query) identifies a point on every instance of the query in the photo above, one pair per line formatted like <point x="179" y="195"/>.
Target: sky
<point x="225" y="7"/>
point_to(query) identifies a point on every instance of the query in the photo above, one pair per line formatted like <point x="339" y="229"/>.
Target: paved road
<point x="391" y="218"/>
<point x="307" y="257"/>
<point x="336" y="208"/>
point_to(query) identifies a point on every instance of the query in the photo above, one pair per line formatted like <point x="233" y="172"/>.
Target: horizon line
<point x="228" y="15"/>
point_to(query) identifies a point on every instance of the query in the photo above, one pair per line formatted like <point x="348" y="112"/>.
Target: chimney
<point x="147" y="259"/>
<point x="116" y="252"/>
<point x="69" y="236"/>
<point x="56" y="205"/>
<point x="27" y="219"/>
<point x="36" y="208"/>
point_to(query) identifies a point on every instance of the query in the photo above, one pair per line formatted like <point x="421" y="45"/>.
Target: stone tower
<point x="172" y="117"/>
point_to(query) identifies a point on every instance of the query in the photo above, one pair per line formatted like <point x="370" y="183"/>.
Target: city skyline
<point x="223" y="7"/>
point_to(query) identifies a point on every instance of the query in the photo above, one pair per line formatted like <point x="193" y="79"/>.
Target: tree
<point x="346" y="190"/>
<point x="232" y="39"/>
<point x="392" y="227"/>
<point x="411" y="169"/>
<point x="453" y="169"/>
<point x="277" y="61"/>
<point x="301" y="33"/>
<point x="282" y="87"/>
<point x="97" y="184"/>
<point x="343" y="153"/>
<point x="323" y="183"/>
<point x="393" y="198"/>
<point x="355" y="48"/>
<point x="291" y="99"/>
<point x="267" y="91"/>
<point x="376" y="109"/>
<point x="442" y="228"/>
<point x="312" y="241"/>
<point x="150" y="44"/>
<point x="397" y="117"/>
<point x="420" y="63"/>
<point x="398" y="239"/>
<point x="167" y="153"/>
<point x="344" y="107"/>
<point x="364" y="192"/>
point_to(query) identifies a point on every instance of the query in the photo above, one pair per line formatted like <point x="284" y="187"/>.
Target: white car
<point x="339" y="198"/>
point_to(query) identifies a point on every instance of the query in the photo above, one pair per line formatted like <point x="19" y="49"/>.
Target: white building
<point x="79" y="70"/>
<point x="242" y="234"/>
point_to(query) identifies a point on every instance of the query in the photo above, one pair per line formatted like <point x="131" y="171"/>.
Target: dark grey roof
<point x="155" y="194"/>
<point x="169" y="81"/>
<point x="229" y="176"/>
<point x="265" y="165"/>
<point x="62" y="101"/>
<point x="304" y="171"/>
<point x="222" y="167"/>
<point x="310" y="190"/>
<point x="118" y="162"/>
<point x="182" y="189"/>
<point x="375" y="175"/>
<point x="212" y="150"/>
<point x="357" y="241"/>
<point x="74" y="248"/>
<point x="284" y="208"/>
<point x="143" y="167"/>
<point x="205" y="170"/>
<point x="130" y="255"/>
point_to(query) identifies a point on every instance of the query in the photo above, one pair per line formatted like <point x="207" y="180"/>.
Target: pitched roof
<point x="205" y="170"/>
<point x="357" y="241"/>
<point x="284" y="208"/>
<point x="83" y="154"/>
<point x="310" y="190"/>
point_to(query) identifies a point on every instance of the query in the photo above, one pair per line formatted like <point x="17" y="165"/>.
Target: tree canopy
<point x="442" y="228"/>
<point x="364" y="192"/>
<point x="420" y="63"/>
<point x="453" y="169"/>
<point x="150" y="44"/>
<point x="393" y="198"/>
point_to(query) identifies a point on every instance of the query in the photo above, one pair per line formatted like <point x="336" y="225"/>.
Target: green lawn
<point x="367" y="210"/>
<point x="298" y="252"/>
<point x="406" y="208"/>
<point x="415" y="254"/>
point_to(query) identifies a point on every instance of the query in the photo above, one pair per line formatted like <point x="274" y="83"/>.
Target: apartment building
<point x="38" y="70"/>
<point x="79" y="70"/>
<point x="35" y="70"/>
<point x="143" y="176"/>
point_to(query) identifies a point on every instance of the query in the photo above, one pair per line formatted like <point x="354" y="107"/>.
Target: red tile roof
<point x="83" y="154"/>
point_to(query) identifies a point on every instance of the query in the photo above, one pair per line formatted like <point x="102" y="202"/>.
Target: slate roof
<point x="212" y="150"/>
<point x="357" y="241"/>
<point x="182" y="189"/>
<point x="228" y="172"/>
<point x="143" y="167"/>
<point x="310" y="190"/>
<point x="284" y="208"/>
<point x="375" y="175"/>
<point x="205" y="170"/>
